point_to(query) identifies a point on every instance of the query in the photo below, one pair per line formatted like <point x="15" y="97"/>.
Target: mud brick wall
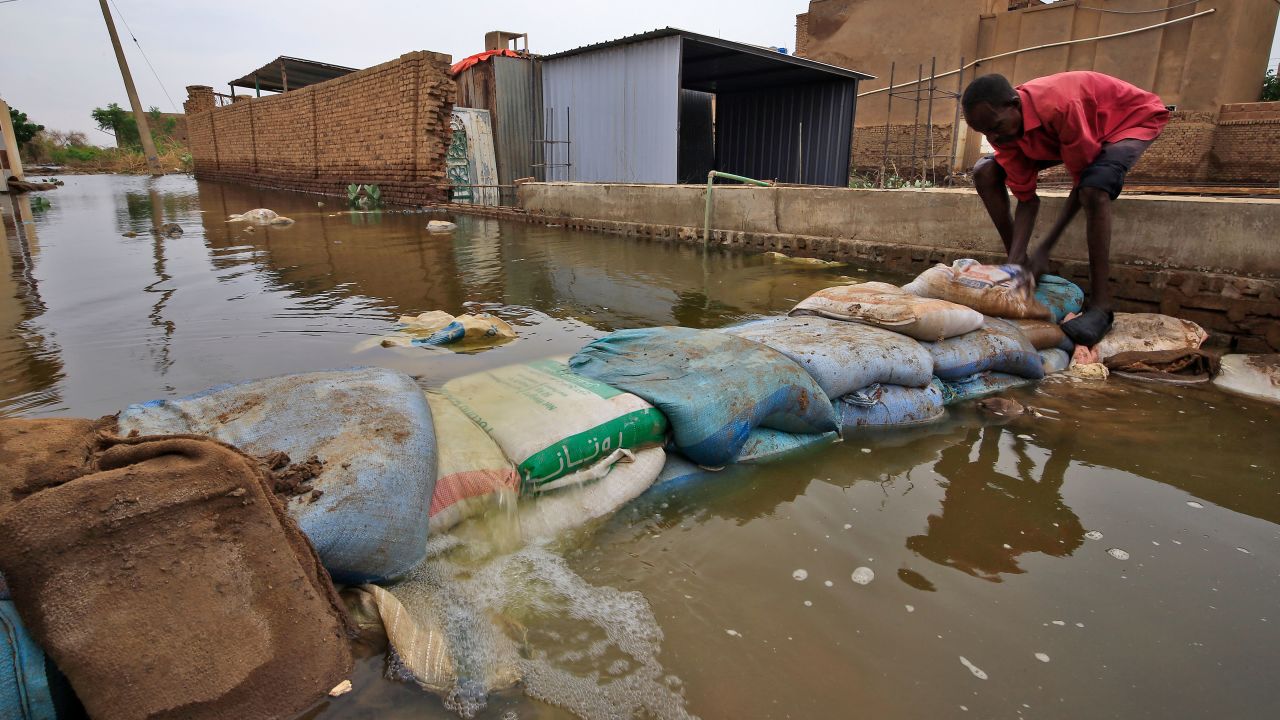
<point x="1246" y="147"/>
<point x="387" y="125"/>
<point x="869" y="151"/>
<point x="1181" y="153"/>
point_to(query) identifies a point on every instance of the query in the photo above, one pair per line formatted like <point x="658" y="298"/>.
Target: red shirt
<point x="1068" y="116"/>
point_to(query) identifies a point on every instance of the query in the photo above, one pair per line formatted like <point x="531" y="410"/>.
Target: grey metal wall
<point x="797" y="134"/>
<point x="697" y="136"/>
<point x="518" y="103"/>
<point x="623" y="104"/>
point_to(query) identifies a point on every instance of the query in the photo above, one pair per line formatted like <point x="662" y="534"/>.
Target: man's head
<point x="993" y="108"/>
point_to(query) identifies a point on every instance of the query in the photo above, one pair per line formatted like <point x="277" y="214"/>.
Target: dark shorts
<point x="1108" y="170"/>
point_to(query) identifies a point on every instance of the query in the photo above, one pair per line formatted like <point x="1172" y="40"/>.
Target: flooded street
<point x="1116" y="557"/>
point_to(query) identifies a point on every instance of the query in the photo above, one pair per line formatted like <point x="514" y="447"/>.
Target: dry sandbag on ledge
<point x="1149" y="332"/>
<point x="163" y="577"/>
<point x="999" y="345"/>
<point x="892" y="308"/>
<point x="558" y="427"/>
<point x="371" y="428"/>
<point x="713" y="388"/>
<point x="842" y="356"/>
<point x="883" y="406"/>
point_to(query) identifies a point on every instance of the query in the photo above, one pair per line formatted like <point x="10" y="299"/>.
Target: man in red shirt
<point x="1097" y="126"/>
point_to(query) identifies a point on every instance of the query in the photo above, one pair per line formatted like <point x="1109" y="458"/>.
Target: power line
<point x="154" y="74"/>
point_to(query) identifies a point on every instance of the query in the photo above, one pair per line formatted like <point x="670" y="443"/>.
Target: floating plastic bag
<point x="980" y="386"/>
<point x="843" y="356"/>
<point x="24" y="687"/>
<point x="990" y="289"/>
<point x="549" y="514"/>
<point x="436" y="328"/>
<point x="473" y="475"/>
<point x="1146" y="332"/>
<point x="892" y="308"/>
<point x="1257" y="376"/>
<point x="999" y="345"/>
<point x="371" y="428"/>
<point x="1054" y="360"/>
<point x="714" y="388"/>
<point x="891" y="406"/>
<point x="765" y="446"/>
<point x="1061" y="296"/>
<point x="554" y="423"/>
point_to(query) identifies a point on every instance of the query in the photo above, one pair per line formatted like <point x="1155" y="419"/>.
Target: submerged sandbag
<point x="980" y="386"/>
<point x="1257" y="376"/>
<point x="555" y="424"/>
<point x="881" y="406"/>
<point x="679" y="469"/>
<point x="1147" y="332"/>
<point x="1189" y="366"/>
<point x="24" y="686"/>
<point x="766" y="446"/>
<point x="473" y="475"/>
<point x="1054" y="360"/>
<point x="843" y="356"/>
<point x="371" y="431"/>
<point x="994" y="290"/>
<point x="1043" y="334"/>
<point x="549" y="514"/>
<point x="892" y="308"/>
<point x="713" y="388"/>
<point x="1060" y="296"/>
<point x="999" y="345"/>
<point x="166" y="580"/>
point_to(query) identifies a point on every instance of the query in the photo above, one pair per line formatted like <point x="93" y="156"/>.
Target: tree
<point x="121" y="123"/>
<point x="1271" y="86"/>
<point x="22" y="128"/>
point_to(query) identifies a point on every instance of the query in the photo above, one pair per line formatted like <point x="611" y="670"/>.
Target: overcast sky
<point x="56" y="62"/>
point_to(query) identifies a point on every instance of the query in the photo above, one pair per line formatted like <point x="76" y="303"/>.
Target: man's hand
<point x="1037" y="263"/>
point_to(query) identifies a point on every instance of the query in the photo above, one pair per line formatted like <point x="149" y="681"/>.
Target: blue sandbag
<point x="891" y="406"/>
<point x="843" y="356"/>
<point x="1055" y="360"/>
<point x="980" y="386"/>
<point x="766" y="446"/>
<point x="714" y="388"/>
<point x="679" y="470"/>
<point x="24" y="687"/>
<point x="1060" y="295"/>
<point x="998" y="345"/>
<point x="370" y="427"/>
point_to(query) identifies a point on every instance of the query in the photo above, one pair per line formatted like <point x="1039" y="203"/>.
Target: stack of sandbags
<point x="162" y="575"/>
<point x="874" y="377"/>
<point x="996" y="357"/>
<point x="370" y="432"/>
<point x="714" y="388"/>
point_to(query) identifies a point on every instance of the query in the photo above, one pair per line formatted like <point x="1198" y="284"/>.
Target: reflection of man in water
<point x="988" y="519"/>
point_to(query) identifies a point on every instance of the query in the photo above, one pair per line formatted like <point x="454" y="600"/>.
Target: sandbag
<point x="980" y="386"/>
<point x="679" y="470"/>
<point x="472" y="473"/>
<point x="1147" y="332"/>
<point x="369" y="427"/>
<point x="1054" y="360"/>
<point x="1043" y="334"/>
<point x="713" y="388"/>
<point x="24" y="687"/>
<point x="999" y="345"/>
<point x="167" y="581"/>
<point x="882" y="406"/>
<point x="549" y="514"/>
<point x="553" y="423"/>
<point x="765" y="446"/>
<point x="1189" y="366"/>
<point x="1060" y="296"/>
<point x="1256" y="376"/>
<point x="843" y="356"/>
<point x="892" y="308"/>
<point x="990" y="289"/>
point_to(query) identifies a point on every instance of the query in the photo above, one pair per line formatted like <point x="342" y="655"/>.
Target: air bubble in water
<point x="863" y="575"/>
<point x="800" y="574"/>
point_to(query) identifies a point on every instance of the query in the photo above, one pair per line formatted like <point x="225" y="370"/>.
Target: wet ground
<point x="1119" y="557"/>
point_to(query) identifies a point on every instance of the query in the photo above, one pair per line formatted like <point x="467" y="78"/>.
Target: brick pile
<point x="387" y="125"/>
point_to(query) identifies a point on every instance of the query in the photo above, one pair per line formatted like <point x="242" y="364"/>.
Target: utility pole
<point x="144" y="131"/>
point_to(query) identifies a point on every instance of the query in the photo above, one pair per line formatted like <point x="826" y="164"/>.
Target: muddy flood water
<point x="1117" y="558"/>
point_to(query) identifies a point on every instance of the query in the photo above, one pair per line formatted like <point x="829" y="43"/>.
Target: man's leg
<point x="988" y="179"/>
<point x="1097" y="210"/>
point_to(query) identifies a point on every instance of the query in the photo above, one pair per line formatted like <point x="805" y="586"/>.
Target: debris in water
<point x="1093" y="535"/>
<point x="1042" y="657"/>
<point x="828" y="583"/>
<point x="341" y="688"/>
<point x="1118" y="554"/>
<point x="1059" y="623"/>
<point x="863" y="575"/>
<point x="1194" y="504"/>
<point x="910" y="608"/>
<point x="800" y="574"/>
<point x="734" y="633"/>
<point x="1246" y="552"/>
<point x="977" y="671"/>
<point x="808" y="603"/>
<point x="847" y="526"/>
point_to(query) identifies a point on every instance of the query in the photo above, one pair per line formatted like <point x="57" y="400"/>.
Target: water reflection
<point x="989" y="516"/>
<point x="30" y="367"/>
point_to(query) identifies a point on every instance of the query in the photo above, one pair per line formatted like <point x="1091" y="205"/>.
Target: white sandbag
<point x="472" y="474"/>
<point x="551" y="422"/>
<point x="892" y="308"/>
<point x="551" y="513"/>
<point x="1054" y="360"/>
<point x="1147" y="332"/>
<point x="1257" y="376"/>
<point x="990" y="289"/>
<point x="843" y="356"/>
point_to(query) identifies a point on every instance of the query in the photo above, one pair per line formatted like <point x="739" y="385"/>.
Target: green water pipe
<point x="711" y="176"/>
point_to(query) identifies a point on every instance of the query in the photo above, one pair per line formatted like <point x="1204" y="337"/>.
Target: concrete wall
<point x="1211" y="260"/>
<point x="387" y="125"/>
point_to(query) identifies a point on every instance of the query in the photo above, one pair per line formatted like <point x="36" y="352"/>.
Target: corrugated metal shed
<point x="290" y="72"/>
<point x="798" y="134"/>
<point x="510" y="90"/>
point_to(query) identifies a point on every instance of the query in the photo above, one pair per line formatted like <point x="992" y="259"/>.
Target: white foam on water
<point x="828" y="583"/>
<point x="847" y="526"/>
<point x="732" y="633"/>
<point x="1118" y="554"/>
<point x="1246" y="552"/>
<point x="808" y="603"/>
<point x="1059" y="623"/>
<point x="863" y="575"/>
<point x="977" y="671"/>
<point x="1042" y="657"/>
<point x="800" y="574"/>
<point x="1093" y="535"/>
<point x="910" y="608"/>
<point x="1194" y="504"/>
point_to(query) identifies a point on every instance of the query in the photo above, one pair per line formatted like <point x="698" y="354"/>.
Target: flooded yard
<point x="1117" y="556"/>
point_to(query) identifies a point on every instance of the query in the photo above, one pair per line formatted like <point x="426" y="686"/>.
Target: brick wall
<point x="387" y="125"/>
<point x="869" y="149"/>
<point x="802" y="34"/>
<point x="1246" y="147"/>
<point x="1181" y="153"/>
